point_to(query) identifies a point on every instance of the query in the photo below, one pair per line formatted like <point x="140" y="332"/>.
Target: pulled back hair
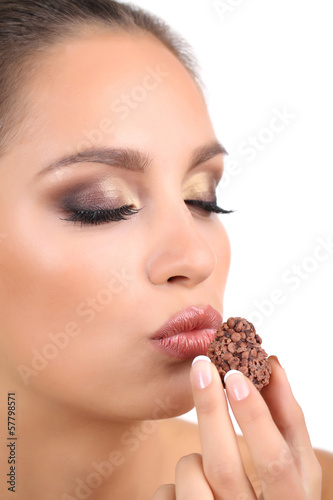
<point x="28" y="28"/>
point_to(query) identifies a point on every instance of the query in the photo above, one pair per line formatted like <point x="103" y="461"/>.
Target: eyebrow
<point x="127" y="158"/>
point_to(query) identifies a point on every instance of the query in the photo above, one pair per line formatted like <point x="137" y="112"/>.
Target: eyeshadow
<point x="107" y="193"/>
<point x="199" y="184"/>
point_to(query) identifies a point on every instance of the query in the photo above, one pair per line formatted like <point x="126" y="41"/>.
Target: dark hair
<point x="29" y="27"/>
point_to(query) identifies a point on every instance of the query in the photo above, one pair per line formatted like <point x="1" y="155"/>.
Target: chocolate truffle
<point x="237" y="346"/>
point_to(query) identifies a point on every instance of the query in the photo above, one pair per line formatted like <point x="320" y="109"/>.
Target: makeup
<point x="188" y="333"/>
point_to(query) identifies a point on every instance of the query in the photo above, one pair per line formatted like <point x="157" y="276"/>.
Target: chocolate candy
<point x="237" y="346"/>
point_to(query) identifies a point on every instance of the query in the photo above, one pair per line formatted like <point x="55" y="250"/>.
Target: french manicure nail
<point x="236" y="384"/>
<point x="202" y="373"/>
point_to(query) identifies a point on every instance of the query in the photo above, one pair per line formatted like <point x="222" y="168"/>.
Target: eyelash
<point x="101" y="216"/>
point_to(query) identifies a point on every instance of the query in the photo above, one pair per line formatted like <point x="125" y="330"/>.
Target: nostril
<point x="173" y="278"/>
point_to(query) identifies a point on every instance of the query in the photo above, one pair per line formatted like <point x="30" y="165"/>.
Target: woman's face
<point x="78" y="301"/>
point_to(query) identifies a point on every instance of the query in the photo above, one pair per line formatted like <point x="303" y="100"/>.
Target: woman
<point x="110" y="245"/>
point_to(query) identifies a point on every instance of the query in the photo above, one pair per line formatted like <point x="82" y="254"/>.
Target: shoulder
<point x="177" y="438"/>
<point x="325" y="459"/>
<point x="181" y="438"/>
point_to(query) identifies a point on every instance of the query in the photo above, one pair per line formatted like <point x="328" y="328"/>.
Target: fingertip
<point x="230" y="372"/>
<point x="237" y="385"/>
<point x="279" y="385"/>
<point x="276" y="360"/>
<point x="201" y="372"/>
<point x="201" y="358"/>
<point x="278" y="371"/>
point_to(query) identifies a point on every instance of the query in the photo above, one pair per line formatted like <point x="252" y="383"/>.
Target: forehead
<point x="113" y="87"/>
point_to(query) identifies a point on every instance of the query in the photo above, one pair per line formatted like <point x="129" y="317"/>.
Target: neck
<point x="63" y="455"/>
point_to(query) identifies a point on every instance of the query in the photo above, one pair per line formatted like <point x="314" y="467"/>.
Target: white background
<point x="259" y="58"/>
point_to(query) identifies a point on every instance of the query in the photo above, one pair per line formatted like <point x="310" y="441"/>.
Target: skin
<point x="108" y="378"/>
<point x="108" y="395"/>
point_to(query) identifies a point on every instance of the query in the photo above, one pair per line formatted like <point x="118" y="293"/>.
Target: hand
<point x="274" y="429"/>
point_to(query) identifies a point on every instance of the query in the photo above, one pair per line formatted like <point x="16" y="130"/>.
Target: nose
<point x="179" y="251"/>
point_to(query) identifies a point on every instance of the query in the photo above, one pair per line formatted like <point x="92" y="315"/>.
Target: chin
<point x="169" y="405"/>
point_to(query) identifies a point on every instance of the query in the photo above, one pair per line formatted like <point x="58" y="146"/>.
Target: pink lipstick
<point x="188" y="333"/>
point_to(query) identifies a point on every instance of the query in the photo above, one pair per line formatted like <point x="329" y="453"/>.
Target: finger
<point x="271" y="454"/>
<point x="165" y="492"/>
<point x="289" y="418"/>
<point x="222" y="463"/>
<point x="190" y="479"/>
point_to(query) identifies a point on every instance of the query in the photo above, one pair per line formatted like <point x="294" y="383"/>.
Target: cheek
<point x="63" y="300"/>
<point x="221" y="245"/>
<point x="51" y="280"/>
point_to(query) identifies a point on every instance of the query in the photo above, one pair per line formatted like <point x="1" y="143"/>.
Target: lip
<point x="188" y="333"/>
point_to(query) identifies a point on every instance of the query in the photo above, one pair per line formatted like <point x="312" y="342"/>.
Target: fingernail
<point x="202" y="373"/>
<point x="236" y="384"/>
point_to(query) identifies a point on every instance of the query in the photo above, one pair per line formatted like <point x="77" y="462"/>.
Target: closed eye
<point x="103" y="216"/>
<point x="208" y="206"/>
